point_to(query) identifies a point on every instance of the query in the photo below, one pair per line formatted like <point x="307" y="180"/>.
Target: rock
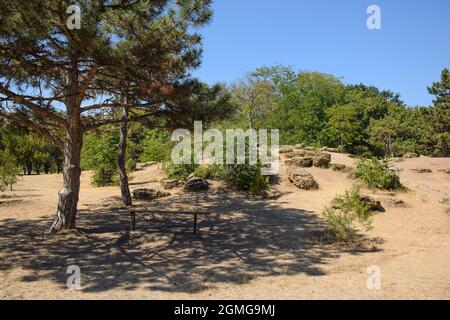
<point x="272" y="194"/>
<point x="398" y="159"/>
<point x="141" y="166"/>
<point x="286" y="149"/>
<point x="374" y="205"/>
<point x="302" y="180"/>
<point x="330" y="149"/>
<point x="392" y="202"/>
<point x="171" y="183"/>
<point x="303" y="162"/>
<point x="309" y="148"/>
<point x="447" y="171"/>
<point x="322" y="160"/>
<point x="410" y="155"/>
<point x="293" y="154"/>
<point x="300" y="146"/>
<point x="196" y="184"/>
<point x="422" y="170"/>
<point x="149" y="194"/>
<point x="338" y="167"/>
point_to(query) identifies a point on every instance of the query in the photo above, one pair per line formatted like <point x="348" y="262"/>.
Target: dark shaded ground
<point x="239" y="241"/>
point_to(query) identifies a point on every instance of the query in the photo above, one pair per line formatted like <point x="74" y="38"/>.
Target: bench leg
<point x="133" y="220"/>
<point x="195" y="223"/>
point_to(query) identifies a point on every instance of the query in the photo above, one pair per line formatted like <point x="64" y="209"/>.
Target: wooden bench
<point x="133" y="212"/>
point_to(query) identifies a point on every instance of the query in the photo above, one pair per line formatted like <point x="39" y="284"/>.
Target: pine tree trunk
<point x="121" y="153"/>
<point x="68" y="196"/>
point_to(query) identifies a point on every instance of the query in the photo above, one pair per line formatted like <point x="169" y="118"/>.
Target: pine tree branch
<point x="37" y="109"/>
<point x="14" y="117"/>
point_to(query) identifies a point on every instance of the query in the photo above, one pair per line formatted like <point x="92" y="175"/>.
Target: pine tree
<point x="55" y="76"/>
<point x="441" y="122"/>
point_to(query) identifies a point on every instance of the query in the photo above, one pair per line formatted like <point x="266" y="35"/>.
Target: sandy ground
<point x="246" y="249"/>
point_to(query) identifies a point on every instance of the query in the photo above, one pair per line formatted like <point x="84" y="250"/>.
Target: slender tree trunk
<point x="68" y="196"/>
<point x="121" y="153"/>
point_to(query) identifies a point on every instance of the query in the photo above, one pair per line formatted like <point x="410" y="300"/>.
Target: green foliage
<point x="440" y="136"/>
<point x="347" y="215"/>
<point x="212" y="172"/>
<point x="178" y="171"/>
<point x="377" y="174"/>
<point x="31" y="152"/>
<point x="8" y="170"/>
<point x="245" y="177"/>
<point x="156" y="146"/>
<point x="105" y="176"/>
<point x="99" y="154"/>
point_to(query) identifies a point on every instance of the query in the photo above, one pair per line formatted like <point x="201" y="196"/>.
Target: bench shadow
<point x="239" y="241"/>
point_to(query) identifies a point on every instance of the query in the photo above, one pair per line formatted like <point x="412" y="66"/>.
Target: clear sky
<point x="331" y="36"/>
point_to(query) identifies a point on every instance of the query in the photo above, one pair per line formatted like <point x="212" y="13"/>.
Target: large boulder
<point x="149" y="194"/>
<point x="171" y="183"/>
<point x="302" y="180"/>
<point x="322" y="160"/>
<point x="302" y="162"/>
<point x="195" y="184"/>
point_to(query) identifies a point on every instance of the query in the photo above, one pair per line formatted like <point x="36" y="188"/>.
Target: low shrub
<point x="105" y="176"/>
<point x="178" y="171"/>
<point x="346" y="216"/>
<point x="245" y="177"/>
<point x="377" y="174"/>
<point x="212" y="172"/>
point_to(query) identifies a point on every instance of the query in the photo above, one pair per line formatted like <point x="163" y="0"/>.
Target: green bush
<point x="346" y="216"/>
<point x="156" y="146"/>
<point x="178" y="171"/>
<point x="105" y="176"/>
<point x="245" y="177"/>
<point x="9" y="170"/>
<point x="377" y="174"/>
<point x="212" y="172"/>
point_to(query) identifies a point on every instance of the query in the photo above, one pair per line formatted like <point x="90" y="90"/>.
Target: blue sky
<point x="331" y="36"/>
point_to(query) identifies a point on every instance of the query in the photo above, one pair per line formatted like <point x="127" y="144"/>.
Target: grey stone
<point x="149" y="194"/>
<point x="303" y="162"/>
<point x="195" y="184"/>
<point x="302" y="180"/>
<point x="338" y="167"/>
<point x="323" y="160"/>
<point x="392" y="202"/>
<point x="171" y="183"/>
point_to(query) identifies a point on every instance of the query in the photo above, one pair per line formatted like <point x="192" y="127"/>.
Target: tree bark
<point x="121" y="154"/>
<point x="68" y="196"/>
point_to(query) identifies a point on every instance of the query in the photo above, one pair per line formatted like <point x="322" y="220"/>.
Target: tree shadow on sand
<point x="240" y="240"/>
